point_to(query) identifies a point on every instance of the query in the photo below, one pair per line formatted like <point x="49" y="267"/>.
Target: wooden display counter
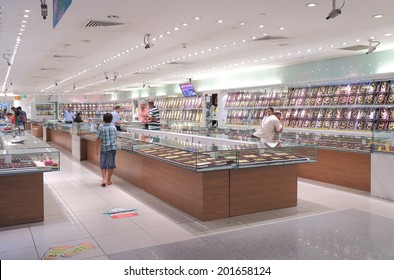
<point x="208" y="195"/>
<point x="21" y="202"/>
<point x="348" y="169"/>
<point x="61" y="138"/>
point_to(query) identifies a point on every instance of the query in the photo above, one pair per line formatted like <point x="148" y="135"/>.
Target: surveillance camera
<point x="334" y="13"/>
<point x="147" y="46"/>
<point x="370" y="50"/>
<point x="44" y="11"/>
<point x="9" y="63"/>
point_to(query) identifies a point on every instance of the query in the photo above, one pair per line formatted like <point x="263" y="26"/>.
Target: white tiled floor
<point x="75" y="203"/>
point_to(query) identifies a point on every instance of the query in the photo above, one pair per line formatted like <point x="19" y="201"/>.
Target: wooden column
<point x="22" y="199"/>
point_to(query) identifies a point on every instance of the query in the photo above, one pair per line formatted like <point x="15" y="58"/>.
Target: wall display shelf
<point x="354" y="107"/>
<point x="45" y="110"/>
<point x="88" y="110"/>
<point x="181" y="111"/>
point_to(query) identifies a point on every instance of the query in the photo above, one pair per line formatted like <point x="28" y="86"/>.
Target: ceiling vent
<point x="49" y="69"/>
<point x="269" y="38"/>
<point x="101" y="23"/>
<point x="355" y="48"/>
<point x="63" y="56"/>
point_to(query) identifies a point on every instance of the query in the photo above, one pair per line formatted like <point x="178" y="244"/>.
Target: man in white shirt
<point x="116" y="119"/>
<point x="269" y="126"/>
<point x="68" y="115"/>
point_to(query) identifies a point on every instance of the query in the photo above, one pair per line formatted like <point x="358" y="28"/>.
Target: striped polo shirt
<point x="154" y="124"/>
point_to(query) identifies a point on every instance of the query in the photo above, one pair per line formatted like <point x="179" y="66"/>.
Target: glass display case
<point x="383" y="142"/>
<point x="358" y="143"/>
<point x="283" y="153"/>
<point x="22" y="153"/>
<point x="198" y="157"/>
<point x="191" y="156"/>
<point x="57" y="125"/>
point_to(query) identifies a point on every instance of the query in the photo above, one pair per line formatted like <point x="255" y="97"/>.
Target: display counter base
<point x="22" y="199"/>
<point x="347" y="169"/>
<point x="61" y="138"/>
<point x="208" y="195"/>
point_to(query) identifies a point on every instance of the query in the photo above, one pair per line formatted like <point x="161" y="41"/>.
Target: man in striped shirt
<point x="106" y="143"/>
<point x="153" y="116"/>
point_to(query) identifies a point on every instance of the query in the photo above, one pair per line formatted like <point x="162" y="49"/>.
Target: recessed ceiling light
<point x="168" y="32"/>
<point x="26" y="16"/>
<point x="24" y="21"/>
<point x="311" y="5"/>
<point x="344" y="43"/>
<point x="378" y="16"/>
<point x="185" y="24"/>
<point x="358" y="40"/>
<point x="289" y="54"/>
<point x="23" y="25"/>
<point x="27" y="11"/>
<point x="320" y="48"/>
<point x="197" y="18"/>
<point x="331" y="46"/>
<point x="176" y="28"/>
<point x="234" y="43"/>
<point x="372" y="37"/>
<point x="254" y="37"/>
<point x="282" y="28"/>
<point x="242" y="23"/>
<point x="261" y="26"/>
<point x="299" y="52"/>
<point x="243" y="41"/>
<point x="161" y="36"/>
<point x="308" y="50"/>
<point x="220" y="21"/>
<point x="388" y="34"/>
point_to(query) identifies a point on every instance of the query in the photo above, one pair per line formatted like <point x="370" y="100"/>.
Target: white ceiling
<point x="46" y="55"/>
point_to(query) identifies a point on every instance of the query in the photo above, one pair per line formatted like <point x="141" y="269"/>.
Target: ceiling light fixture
<point x="311" y="5"/>
<point x="377" y="16"/>
<point x="372" y="48"/>
<point x="388" y="34"/>
<point x="335" y="12"/>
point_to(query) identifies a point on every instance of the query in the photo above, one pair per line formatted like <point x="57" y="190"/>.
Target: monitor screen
<point x="188" y="90"/>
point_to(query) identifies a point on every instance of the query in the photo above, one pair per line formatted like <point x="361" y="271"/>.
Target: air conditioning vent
<point x="49" y="69"/>
<point x="355" y="48"/>
<point x="101" y="23"/>
<point x="269" y="38"/>
<point x="63" y="56"/>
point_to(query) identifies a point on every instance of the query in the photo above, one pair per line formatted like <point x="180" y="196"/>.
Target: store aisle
<point x="75" y="203"/>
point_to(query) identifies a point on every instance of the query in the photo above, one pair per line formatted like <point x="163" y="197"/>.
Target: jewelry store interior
<point x="202" y="186"/>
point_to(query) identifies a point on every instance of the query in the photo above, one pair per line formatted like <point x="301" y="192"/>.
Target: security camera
<point x="9" y="63"/>
<point x="372" y="48"/>
<point x="44" y="10"/>
<point x="335" y="12"/>
<point x="147" y="42"/>
<point x="106" y="75"/>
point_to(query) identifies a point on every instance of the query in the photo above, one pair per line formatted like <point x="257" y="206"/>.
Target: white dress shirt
<point x="68" y="116"/>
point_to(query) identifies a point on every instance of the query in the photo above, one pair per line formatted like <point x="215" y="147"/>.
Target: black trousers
<point x="118" y="128"/>
<point x="68" y="122"/>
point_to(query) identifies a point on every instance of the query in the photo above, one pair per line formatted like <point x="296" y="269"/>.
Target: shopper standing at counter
<point x="68" y="115"/>
<point x="144" y="114"/>
<point x="78" y="118"/>
<point x="269" y="126"/>
<point x="116" y="119"/>
<point x="153" y="116"/>
<point x="106" y="143"/>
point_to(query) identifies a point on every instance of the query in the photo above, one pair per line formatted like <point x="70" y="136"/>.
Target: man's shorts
<point x="107" y="159"/>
